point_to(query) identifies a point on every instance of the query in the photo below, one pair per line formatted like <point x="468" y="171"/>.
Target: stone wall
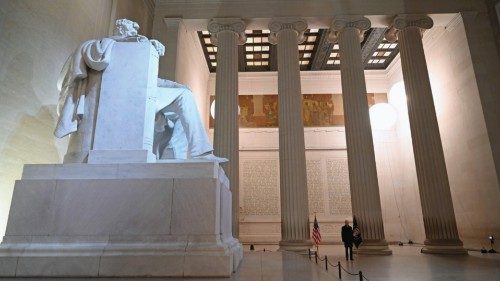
<point x="36" y="38"/>
<point x="327" y="180"/>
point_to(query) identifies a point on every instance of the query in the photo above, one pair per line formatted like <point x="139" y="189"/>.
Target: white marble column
<point x="435" y="196"/>
<point x="348" y="31"/>
<point x="287" y="33"/>
<point x="227" y="33"/>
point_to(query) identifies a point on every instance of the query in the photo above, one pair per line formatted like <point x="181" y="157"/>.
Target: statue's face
<point x="125" y="28"/>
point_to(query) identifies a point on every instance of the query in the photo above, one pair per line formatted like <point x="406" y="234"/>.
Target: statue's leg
<point x="184" y="105"/>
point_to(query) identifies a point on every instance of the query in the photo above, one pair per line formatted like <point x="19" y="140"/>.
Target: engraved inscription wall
<point x="260" y="184"/>
<point x="339" y="195"/>
<point x="315" y="187"/>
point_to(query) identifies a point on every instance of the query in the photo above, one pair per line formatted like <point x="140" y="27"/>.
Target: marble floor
<point x="406" y="264"/>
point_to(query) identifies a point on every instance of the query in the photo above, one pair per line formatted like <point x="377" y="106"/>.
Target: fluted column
<point x="226" y="34"/>
<point x="435" y="196"/>
<point x="287" y="33"/>
<point x="348" y="31"/>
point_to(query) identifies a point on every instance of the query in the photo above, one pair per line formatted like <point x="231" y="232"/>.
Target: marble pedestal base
<point x="445" y="247"/>
<point x="170" y="219"/>
<point x="296" y="246"/>
<point x="374" y="248"/>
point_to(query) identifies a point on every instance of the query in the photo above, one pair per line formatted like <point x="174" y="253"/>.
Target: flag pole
<point x="317" y="244"/>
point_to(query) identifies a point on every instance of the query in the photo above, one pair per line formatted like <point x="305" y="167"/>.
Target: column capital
<point x="236" y="25"/>
<point x="404" y="21"/>
<point x="279" y="24"/>
<point x="340" y="23"/>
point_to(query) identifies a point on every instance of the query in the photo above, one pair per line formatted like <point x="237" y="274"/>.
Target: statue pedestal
<point x="167" y="219"/>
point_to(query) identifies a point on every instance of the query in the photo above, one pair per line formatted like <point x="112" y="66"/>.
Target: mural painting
<point x="318" y="110"/>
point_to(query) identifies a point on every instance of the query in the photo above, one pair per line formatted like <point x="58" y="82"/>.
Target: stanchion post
<point x="316" y="257"/>
<point x="326" y="262"/>
<point x="360" y="275"/>
<point x="340" y="270"/>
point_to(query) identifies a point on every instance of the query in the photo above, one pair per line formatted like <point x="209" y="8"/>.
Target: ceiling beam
<point x="241" y="58"/>
<point x="371" y="44"/>
<point x="322" y="50"/>
<point x="273" y="58"/>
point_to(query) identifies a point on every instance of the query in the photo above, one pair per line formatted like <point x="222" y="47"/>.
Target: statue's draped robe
<point x="72" y="83"/>
<point x="170" y="139"/>
<point x="79" y="84"/>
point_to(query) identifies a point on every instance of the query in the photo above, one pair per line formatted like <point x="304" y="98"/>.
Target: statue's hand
<point x="160" y="48"/>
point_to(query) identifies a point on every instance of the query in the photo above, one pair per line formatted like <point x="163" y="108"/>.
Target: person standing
<point x="348" y="239"/>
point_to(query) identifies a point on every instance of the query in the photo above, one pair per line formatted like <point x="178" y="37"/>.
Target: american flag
<point x="316" y="235"/>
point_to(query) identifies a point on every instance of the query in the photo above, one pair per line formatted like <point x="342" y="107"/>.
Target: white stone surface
<point x="461" y="113"/>
<point x="195" y="168"/>
<point x="348" y="32"/>
<point x="227" y="34"/>
<point x="112" y="207"/>
<point x="437" y="207"/>
<point x="149" y="223"/>
<point x="286" y="33"/>
<point x="34" y="201"/>
<point x="127" y="103"/>
<point x="57" y="266"/>
<point x="190" y="140"/>
<point x="141" y="265"/>
<point x="196" y="214"/>
<point x="120" y="156"/>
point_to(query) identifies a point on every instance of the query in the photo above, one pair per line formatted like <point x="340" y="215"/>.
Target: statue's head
<point x="125" y="28"/>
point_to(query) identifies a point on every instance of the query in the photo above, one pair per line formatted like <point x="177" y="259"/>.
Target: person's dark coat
<point x="347" y="235"/>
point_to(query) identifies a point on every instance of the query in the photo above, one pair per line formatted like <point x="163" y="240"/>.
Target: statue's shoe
<point x="212" y="157"/>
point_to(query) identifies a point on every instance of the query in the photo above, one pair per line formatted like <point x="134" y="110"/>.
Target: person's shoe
<point x="212" y="158"/>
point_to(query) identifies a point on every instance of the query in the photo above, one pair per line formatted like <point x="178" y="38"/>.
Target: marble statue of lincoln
<point x="174" y="101"/>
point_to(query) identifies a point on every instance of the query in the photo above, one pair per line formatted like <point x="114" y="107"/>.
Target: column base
<point x="374" y="247"/>
<point x="444" y="247"/>
<point x="295" y="245"/>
